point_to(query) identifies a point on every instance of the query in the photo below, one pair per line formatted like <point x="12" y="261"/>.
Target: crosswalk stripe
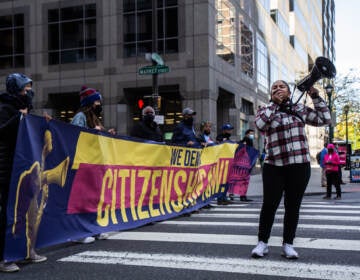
<point x="230" y="265"/>
<point x="282" y="210"/>
<point x="230" y="239"/>
<point x="302" y="217"/>
<point x="245" y="224"/>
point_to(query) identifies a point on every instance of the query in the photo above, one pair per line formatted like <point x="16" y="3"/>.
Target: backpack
<point x="318" y="157"/>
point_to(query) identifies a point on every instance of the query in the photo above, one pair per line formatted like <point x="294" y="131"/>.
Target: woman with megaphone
<point x="287" y="163"/>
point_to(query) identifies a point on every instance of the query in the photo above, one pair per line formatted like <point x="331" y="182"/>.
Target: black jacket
<point x="149" y="132"/>
<point x="9" y="124"/>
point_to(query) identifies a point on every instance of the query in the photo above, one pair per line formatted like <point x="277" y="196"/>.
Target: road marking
<point x="279" y="225"/>
<point x="229" y="265"/>
<point x="302" y="217"/>
<point x="302" y="242"/>
<point x="282" y="210"/>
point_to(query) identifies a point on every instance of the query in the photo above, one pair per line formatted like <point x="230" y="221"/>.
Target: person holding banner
<point x="147" y="128"/>
<point x="205" y="134"/>
<point x="88" y="116"/>
<point x="287" y="164"/>
<point x="184" y="133"/>
<point x="226" y="131"/>
<point x="15" y="104"/>
<point x="90" y="110"/>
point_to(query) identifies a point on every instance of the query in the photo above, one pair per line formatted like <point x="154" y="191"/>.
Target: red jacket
<point x="332" y="162"/>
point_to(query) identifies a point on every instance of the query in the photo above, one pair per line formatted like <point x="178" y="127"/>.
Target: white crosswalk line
<point x="232" y="239"/>
<point x="229" y="265"/>
<point x="277" y="225"/>
<point x="282" y="210"/>
<point x="242" y="216"/>
<point x="303" y="217"/>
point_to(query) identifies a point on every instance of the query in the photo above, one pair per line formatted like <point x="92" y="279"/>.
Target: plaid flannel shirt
<point x="286" y="142"/>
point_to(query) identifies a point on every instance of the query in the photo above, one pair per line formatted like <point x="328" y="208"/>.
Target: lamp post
<point x="346" y="111"/>
<point x="329" y="89"/>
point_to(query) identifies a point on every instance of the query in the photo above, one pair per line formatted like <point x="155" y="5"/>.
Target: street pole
<point x="329" y="89"/>
<point x="155" y="86"/>
<point x="346" y="111"/>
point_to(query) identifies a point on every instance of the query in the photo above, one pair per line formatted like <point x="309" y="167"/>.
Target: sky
<point x="347" y="34"/>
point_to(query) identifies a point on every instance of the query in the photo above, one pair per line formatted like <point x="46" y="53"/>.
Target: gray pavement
<point x="313" y="188"/>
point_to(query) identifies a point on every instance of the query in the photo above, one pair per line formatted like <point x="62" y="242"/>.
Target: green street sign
<point x="153" y="69"/>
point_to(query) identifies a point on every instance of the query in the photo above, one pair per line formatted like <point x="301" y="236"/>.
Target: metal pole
<point x="347" y="140"/>
<point x="155" y="87"/>
<point x="331" y="130"/>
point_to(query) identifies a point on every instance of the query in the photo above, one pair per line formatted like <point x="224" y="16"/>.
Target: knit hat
<point x="88" y="96"/>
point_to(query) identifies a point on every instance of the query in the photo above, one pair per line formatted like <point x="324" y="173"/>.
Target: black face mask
<point x="149" y="118"/>
<point x="189" y="121"/>
<point x="97" y="110"/>
<point x="26" y="100"/>
<point x="227" y="135"/>
<point x="206" y="132"/>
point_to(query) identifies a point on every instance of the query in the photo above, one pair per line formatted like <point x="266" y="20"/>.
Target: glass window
<point x="138" y="31"/>
<point x="72" y="34"/>
<point x="225" y="31"/>
<point x="12" y="44"/>
<point x="262" y="65"/>
<point x="246" y="50"/>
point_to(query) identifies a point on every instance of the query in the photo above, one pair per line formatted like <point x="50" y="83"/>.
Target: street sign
<point x="153" y="69"/>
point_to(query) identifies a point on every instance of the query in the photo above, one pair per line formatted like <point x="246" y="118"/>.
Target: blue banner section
<point x="69" y="182"/>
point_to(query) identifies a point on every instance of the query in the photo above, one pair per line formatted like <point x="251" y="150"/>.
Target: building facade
<point x="222" y="55"/>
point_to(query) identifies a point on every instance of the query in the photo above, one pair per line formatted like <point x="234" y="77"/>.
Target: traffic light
<point x="140" y="103"/>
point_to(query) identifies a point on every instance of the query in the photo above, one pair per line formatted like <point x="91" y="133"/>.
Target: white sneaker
<point x="8" y="267"/>
<point x="102" y="236"/>
<point x="85" y="240"/>
<point x="260" y="250"/>
<point x="289" y="251"/>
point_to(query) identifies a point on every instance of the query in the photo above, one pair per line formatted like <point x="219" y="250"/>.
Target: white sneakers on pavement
<point x="86" y="240"/>
<point x="260" y="250"/>
<point x="102" y="236"/>
<point x="8" y="267"/>
<point x="289" y="251"/>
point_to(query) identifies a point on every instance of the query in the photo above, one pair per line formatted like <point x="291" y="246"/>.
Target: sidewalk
<point x="313" y="188"/>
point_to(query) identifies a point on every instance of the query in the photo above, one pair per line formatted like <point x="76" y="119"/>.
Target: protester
<point x="249" y="141"/>
<point x="332" y="162"/>
<point x="249" y="138"/>
<point x="15" y="104"/>
<point x="184" y="133"/>
<point x="226" y="131"/>
<point x="322" y="154"/>
<point x="205" y="134"/>
<point x="88" y="116"/>
<point x="287" y="163"/>
<point x="147" y="128"/>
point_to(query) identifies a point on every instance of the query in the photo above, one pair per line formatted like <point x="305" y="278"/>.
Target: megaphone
<point x="323" y="68"/>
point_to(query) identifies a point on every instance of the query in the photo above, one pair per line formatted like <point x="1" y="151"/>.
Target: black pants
<point x="290" y="180"/>
<point x="332" y="178"/>
<point x="4" y="191"/>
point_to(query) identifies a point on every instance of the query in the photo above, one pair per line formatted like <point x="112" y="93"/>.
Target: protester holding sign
<point x="15" y="103"/>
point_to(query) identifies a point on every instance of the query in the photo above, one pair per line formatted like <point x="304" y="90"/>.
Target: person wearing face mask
<point x="15" y="104"/>
<point x="184" y="133"/>
<point x="147" y="128"/>
<point x="225" y="134"/>
<point x="88" y="116"/>
<point x="249" y="138"/>
<point x="286" y="170"/>
<point x="205" y="134"/>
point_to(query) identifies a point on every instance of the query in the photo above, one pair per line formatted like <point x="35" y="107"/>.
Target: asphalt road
<point x="216" y="244"/>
